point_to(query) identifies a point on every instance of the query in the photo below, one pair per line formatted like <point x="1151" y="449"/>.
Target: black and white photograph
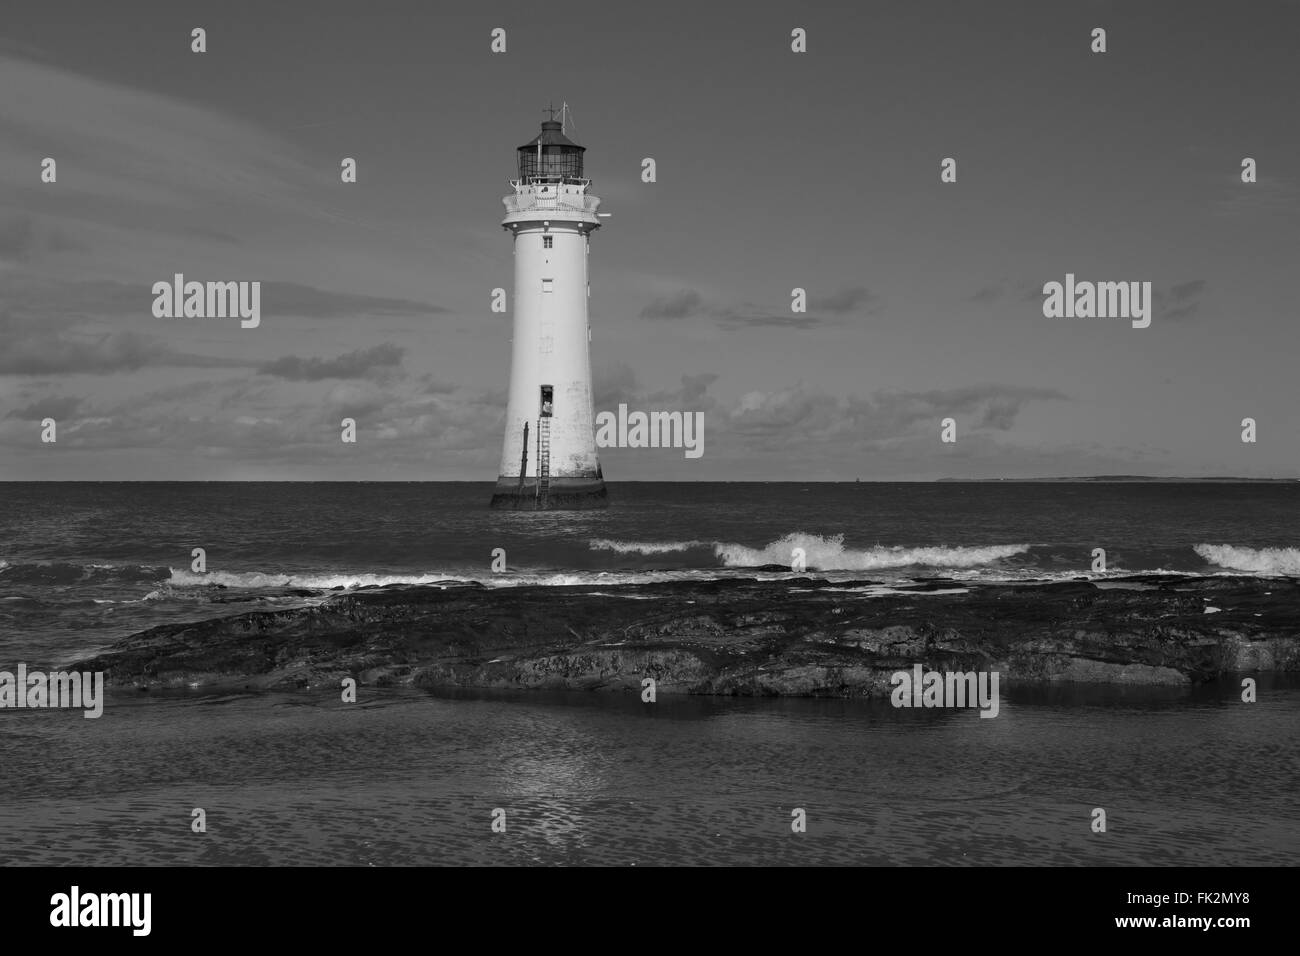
<point x="649" y="434"/>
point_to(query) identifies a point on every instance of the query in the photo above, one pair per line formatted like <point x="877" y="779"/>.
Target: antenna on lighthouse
<point x="565" y="116"/>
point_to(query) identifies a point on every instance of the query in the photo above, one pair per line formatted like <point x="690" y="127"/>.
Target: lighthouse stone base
<point x="564" y="494"/>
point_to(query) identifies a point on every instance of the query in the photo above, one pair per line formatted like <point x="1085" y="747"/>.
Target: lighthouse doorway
<point x="547" y="400"/>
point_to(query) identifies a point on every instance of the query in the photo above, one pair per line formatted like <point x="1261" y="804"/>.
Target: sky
<point x="774" y="170"/>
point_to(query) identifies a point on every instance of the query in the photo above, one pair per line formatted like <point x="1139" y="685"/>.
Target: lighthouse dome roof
<point x="551" y="135"/>
<point x="550" y="156"/>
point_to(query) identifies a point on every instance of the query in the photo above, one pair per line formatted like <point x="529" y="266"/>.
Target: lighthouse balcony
<point x="551" y="204"/>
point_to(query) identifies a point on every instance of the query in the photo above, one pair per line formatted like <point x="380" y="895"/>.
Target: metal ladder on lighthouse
<point x="543" y="460"/>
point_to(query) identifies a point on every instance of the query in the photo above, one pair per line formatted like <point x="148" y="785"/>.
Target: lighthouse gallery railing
<point x="515" y="204"/>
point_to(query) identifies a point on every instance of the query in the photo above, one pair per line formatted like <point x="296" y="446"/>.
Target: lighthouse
<point x="548" y="461"/>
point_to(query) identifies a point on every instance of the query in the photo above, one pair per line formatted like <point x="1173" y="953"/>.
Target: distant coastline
<point x="1118" y="479"/>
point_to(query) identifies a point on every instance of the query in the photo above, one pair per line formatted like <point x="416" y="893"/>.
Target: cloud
<point x="46" y="345"/>
<point x="363" y="363"/>
<point x="823" y="428"/>
<point x="289" y="298"/>
<point x="357" y="399"/>
<point x="86" y="298"/>
<point x="691" y="395"/>
<point x="1020" y="291"/>
<point x="750" y="316"/>
<point x="797" y="415"/>
<point x="1270" y="195"/>
<point x="1187" y="290"/>
<point x="1000" y="413"/>
<point x="108" y="297"/>
<point x="688" y="303"/>
<point x="54" y="407"/>
<point x="292" y="430"/>
<point x="679" y="305"/>
<point x="1180" y="301"/>
<point x="612" y="384"/>
<point x="434" y="387"/>
<point x="43" y="328"/>
<point x="23" y="239"/>
<point x="134" y="147"/>
<point x="616" y="384"/>
<point x="839" y="303"/>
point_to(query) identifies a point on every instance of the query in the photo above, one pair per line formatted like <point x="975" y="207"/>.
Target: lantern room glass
<point x="554" y="163"/>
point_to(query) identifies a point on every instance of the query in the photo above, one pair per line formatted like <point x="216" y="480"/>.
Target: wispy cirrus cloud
<point x="48" y="326"/>
<point x="677" y="305"/>
<point x="851" y="299"/>
<point x="1180" y="301"/>
<point x="24" y="238"/>
<point x="156" y="150"/>
<point x="56" y="406"/>
<point x="362" y="363"/>
<point x="290" y="298"/>
<point x="1270" y="195"/>
<point x="775" y="419"/>
<point x="48" y="345"/>
<point x="689" y="303"/>
<point x="799" y="414"/>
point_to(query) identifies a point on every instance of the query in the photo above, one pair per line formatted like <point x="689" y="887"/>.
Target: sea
<point x="1186" y="775"/>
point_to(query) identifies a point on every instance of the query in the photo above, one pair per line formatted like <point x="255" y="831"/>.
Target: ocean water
<point x="84" y="564"/>
<point x="1186" y="775"/>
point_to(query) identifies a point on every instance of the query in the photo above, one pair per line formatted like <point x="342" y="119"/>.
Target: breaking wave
<point x="58" y="572"/>
<point x="823" y="553"/>
<point x="829" y="554"/>
<point x="1254" y="560"/>
<point x="646" y="547"/>
<point x="311" y="582"/>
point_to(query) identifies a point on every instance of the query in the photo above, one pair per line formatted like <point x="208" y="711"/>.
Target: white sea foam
<point x="315" y="582"/>
<point x="645" y="547"/>
<point x="1255" y="560"/>
<point x="884" y="590"/>
<point x="824" y="556"/>
<point x="829" y="554"/>
<point x="254" y="580"/>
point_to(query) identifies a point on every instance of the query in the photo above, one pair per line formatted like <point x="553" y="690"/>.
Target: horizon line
<point x="1095" y="479"/>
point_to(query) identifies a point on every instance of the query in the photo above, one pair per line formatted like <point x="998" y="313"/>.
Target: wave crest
<point x="1255" y="560"/>
<point x="644" y="547"/>
<point x="829" y="554"/>
<point x="313" y="582"/>
<point x="61" y="572"/>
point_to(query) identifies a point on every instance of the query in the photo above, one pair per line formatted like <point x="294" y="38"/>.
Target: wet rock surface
<point x="799" y="637"/>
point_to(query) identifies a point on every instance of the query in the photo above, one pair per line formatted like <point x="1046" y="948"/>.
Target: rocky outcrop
<point x="798" y="636"/>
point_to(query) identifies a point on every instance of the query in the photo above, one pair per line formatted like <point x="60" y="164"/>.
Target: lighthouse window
<point x="546" y="242"/>
<point x="546" y="285"/>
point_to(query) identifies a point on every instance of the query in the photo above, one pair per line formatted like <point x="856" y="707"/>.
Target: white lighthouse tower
<point x="549" y="458"/>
